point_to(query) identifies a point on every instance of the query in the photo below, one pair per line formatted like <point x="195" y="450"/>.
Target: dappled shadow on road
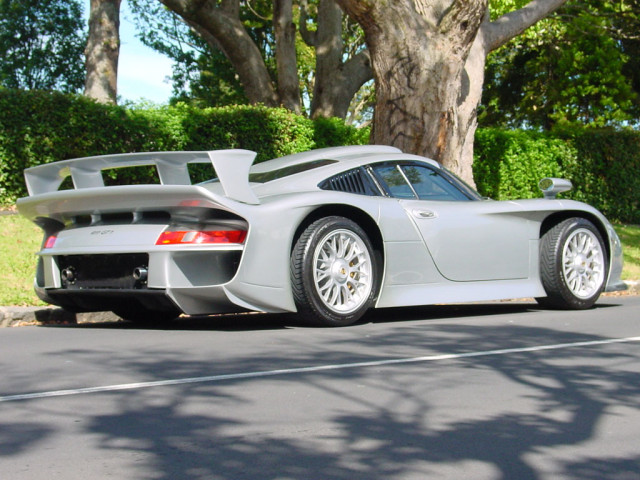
<point x="16" y="437"/>
<point x="530" y="415"/>
<point x="259" y="429"/>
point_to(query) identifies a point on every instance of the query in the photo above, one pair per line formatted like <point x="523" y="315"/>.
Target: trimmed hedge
<point x="41" y="127"/>
<point x="606" y="172"/>
<point x="509" y="164"/>
<point x="603" y="165"/>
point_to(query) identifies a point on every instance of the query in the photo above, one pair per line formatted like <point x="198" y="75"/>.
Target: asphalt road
<point x="495" y="391"/>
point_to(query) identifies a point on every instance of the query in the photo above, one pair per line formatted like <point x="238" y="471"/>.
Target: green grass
<point x="19" y="242"/>
<point x="630" y="237"/>
<point x="21" y="239"/>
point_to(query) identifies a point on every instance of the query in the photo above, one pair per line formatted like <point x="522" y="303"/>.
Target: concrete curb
<point x="24" y="316"/>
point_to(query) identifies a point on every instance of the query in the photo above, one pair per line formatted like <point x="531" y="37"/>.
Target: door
<point x="468" y="239"/>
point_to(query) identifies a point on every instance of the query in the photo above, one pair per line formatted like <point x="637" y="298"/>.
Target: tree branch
<point x="357" y="71"/>
<point x="234" y="40"/>
<point x="232" y="7"/>
<point x="308" y="36"/>
<point x="512" y="24"/>
<point x="286" y="65"/>
<point x="462" y="20"/>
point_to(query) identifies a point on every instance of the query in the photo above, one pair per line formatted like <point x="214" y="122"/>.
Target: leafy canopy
<point x="578" y="66"/>
<point x="202" y="75"/>
<point x="42" y="44"/>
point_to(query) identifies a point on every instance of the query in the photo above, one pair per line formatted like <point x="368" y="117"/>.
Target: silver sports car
<point x="327" y="234"/>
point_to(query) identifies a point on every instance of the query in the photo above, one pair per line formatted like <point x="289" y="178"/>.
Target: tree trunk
<point x="428" y="61"/>
<point x="336" y="80"/>
<point x="328" y="44"/>
<point x="418" y="58"/>
<point x="491" y="35"/>
<point x="473" y="80"/>
<point x="287" y="67"/>
<point x="102" y="51"/>
<point x="420" y="79"/>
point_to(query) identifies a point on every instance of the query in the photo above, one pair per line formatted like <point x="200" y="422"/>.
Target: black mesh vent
<point x="349" y="182"/>
<point x="101" y="271"/>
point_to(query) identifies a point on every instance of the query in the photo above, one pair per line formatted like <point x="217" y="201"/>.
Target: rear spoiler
<point x="231" y="167"/>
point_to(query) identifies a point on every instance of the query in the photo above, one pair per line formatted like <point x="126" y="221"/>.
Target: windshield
<point x="461" y="184"/>
<point x="411" y="180"/>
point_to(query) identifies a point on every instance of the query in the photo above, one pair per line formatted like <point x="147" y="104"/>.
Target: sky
<point x="142" y="73"/>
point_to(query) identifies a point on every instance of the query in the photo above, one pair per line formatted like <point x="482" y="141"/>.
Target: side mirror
<point x="553" y="186"/>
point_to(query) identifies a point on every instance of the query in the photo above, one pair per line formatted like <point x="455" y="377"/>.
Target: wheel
<point x="334" y="273"/>
<point x="573" y="265"/>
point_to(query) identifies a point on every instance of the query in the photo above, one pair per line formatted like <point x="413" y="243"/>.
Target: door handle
<point x="426" y="214"/>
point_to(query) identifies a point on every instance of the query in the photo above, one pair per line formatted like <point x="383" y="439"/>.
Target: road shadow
<point x="570" y="389"/>
<point x="200" y="431"/>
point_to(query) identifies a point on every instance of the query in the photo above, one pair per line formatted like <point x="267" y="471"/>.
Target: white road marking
<point x="320" y="368"/>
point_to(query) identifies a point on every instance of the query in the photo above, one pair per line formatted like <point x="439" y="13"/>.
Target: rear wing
<point x="231" y="167"/>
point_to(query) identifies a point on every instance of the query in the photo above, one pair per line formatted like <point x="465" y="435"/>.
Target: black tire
<point x="573" y="265"/>
<point x="334" y="273"/>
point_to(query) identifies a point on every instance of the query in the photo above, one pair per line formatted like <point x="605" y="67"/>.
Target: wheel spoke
<point x="335" y="294"/>
<point x="352" y="253"/>
<point x="321" y="276"/>
<point x="346" y="296"/>
<point x="343" y="244"/>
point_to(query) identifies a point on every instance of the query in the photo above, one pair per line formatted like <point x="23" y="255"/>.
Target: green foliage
<point x="41" y="44"/>
<point x="269" y="132"/>
<point x="40" y="127"/>
<point x="577" y="67"/>
<point x="331" y="132"/>
<point x="605" y="171"/>
<point x="601" y="164"/>
<point x="201" y="75"/>
<point x="509" y="164"/>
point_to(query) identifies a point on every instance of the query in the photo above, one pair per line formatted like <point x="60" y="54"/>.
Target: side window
<point x="395" y="181"/>
<point x="430" y="185"/>
<point x="410" y="180"/>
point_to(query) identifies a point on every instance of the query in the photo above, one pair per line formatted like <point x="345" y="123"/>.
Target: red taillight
<point x="50" y="241"/>
<point x="195" y="237"/>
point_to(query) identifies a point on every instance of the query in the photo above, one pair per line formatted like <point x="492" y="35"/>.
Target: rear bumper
<point x="98" y="300"/>
<point x="187" y="281"/>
